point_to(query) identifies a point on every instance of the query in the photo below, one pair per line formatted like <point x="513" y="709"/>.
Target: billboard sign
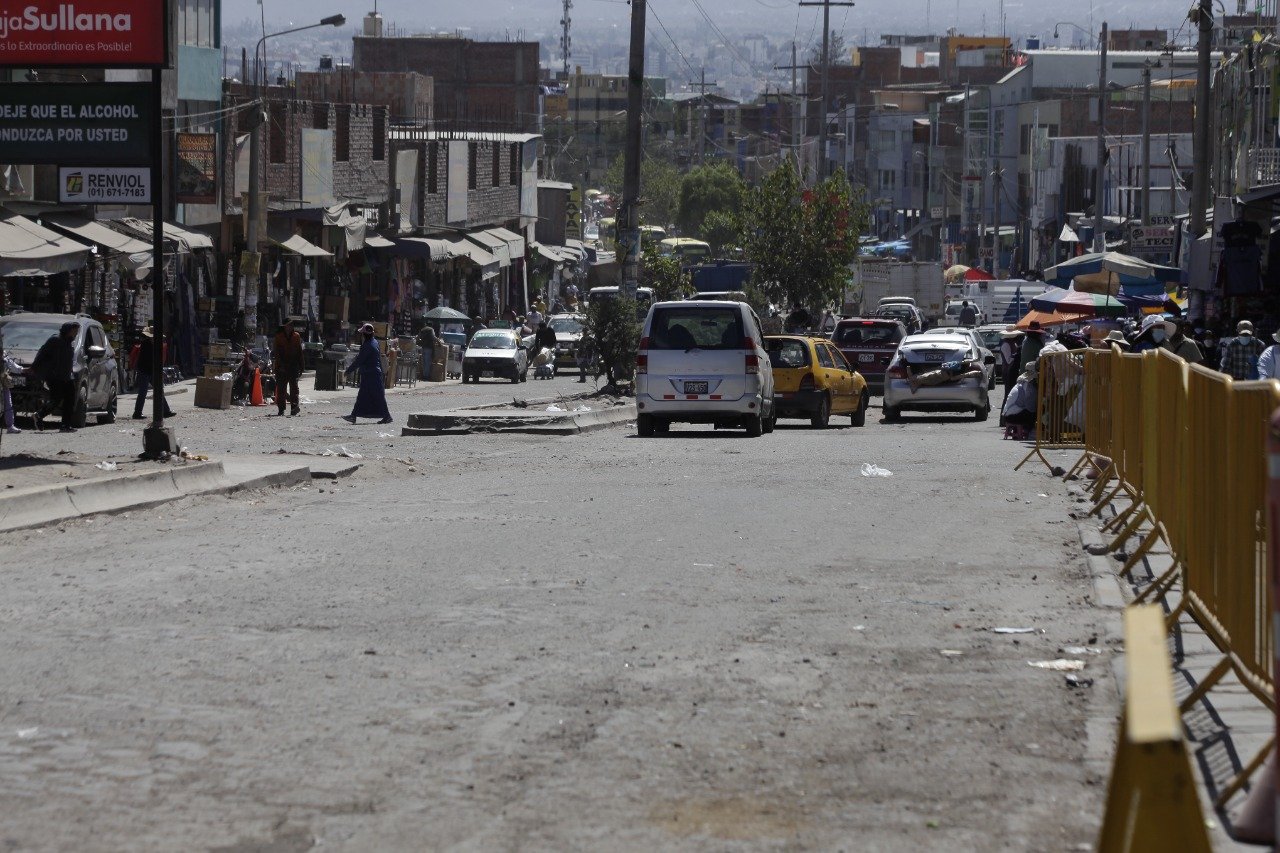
<point x="197" y="168"/>
<point x="71" y="33"/>
<point x="104" y="185"/>
<point x="76" y="124"/>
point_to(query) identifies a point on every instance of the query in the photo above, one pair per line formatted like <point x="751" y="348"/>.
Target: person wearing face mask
<point x="1153" y="334"/>
<point x="1240" y="354"/>
<point x="1269" y="361"/>
<point x="371" y="399"/>
<point x="1178" y="343"/>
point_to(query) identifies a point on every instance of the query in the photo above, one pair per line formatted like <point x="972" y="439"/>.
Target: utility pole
<point x="997" y="183"/>
<point x="797" y="117"/>
<point x="988" y="171"/>
<point x="826" y="68"/>
<point x="1146" y="143"/>
<point x="565" y="42"/>
<point x="1203" y="14"/>
<point x="1100" y="182"/>
<point x="1036" y="215"/>
<point x="702" y="111"/>
<point x="629" y="227"/>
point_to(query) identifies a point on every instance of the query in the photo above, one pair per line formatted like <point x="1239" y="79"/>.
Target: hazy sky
<point x="875" y="16"/>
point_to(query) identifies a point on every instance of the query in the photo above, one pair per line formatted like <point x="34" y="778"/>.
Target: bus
<point x="644" y="296"/>
<point x="687" y="249"/>
<point x="652" y="234"/>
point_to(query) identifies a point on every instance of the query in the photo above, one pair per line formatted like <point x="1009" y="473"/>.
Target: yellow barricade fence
<point x="1060" y="404"/>
<point x="1152" y="802"/>
<point x="1187" y="447"/>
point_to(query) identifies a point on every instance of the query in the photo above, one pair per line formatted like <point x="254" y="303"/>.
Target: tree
<point x="659" y="188"/>
<point x="664" y="274"/>
<point x="802" y="241"/>
<point x="612" y="325"/>
<point x="721" y="229"/>
<point x="836" y="51"/>
<point x="706" y="190"/>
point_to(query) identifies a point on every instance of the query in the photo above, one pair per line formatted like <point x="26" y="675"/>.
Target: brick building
<point x="407" y="95"/>
<point x="477" y="85"/>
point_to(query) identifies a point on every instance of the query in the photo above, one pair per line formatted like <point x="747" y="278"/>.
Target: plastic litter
<point x="385" y="435"/>
<point x="341" y="451"/>
<point x="307" y="401"/>
<point x="1080" y="650"/>
<point x="106" y="466"/>
<point x="1014" y="630"/>
<point x="1059" y="665"/>
<point x="226" y="376"/>
<point x="950" y="653"/>
<point x="26" y="734"/>
<point x="582" y="408"/>
<point x="1077" y="681"/>
<point x="869" y="470"/>
<point x="554" y="408"/>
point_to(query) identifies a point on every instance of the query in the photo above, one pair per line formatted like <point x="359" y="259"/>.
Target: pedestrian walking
<point x="286" y="356"/>
<point x="145" y="365"/>
<point x="544" y="338"/>
<point x="1010" y="346"/>
<point x="7" y="372"/>
<point x="1240" y="354"/>
<point x="1269" y="361"/>
<point x="53" y="365"/>
<point x="1180" y="343"/>
<point x="371" y="399"/>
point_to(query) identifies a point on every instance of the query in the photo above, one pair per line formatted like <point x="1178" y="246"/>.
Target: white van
<point x="703" y="361"/>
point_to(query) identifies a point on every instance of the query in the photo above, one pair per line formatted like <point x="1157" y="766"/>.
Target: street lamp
<point x="251" y="235"/>
<point x="1089" y="35"/>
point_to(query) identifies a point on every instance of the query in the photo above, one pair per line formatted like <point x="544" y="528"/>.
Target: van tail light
<point x="898" y="370"/>
<point x="753" y="363"/>
<point x="806" y="384"/>
<point x="642" y="357"/>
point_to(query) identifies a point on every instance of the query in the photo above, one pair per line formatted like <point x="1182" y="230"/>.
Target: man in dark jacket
<point x="286" y="355"/>
<point x="54" y="365"/>
<point x="144" y="367"/>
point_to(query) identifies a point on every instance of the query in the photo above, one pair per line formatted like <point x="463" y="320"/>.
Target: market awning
<point x="515" y="243"/>
<point x="299" y="245"/>
<point x="352" y="225"/>
<point x="552" y="253"/>
<point x="493" y="245"/>
<point x="427" y="248"/>
<point x="374" y="241"/>
<point x="473" y="253"/>
<point x="94" y="232"/>
<point x="29" y="249"/>
<point x="186" y="241"/>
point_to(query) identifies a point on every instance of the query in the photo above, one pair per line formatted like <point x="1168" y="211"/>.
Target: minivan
<point x="703" y="361"/>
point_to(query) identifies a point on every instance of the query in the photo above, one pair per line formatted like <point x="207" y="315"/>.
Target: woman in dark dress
<point x="371" y="400"/>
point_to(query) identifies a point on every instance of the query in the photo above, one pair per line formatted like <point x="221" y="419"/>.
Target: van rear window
<point x="682" y="328"/>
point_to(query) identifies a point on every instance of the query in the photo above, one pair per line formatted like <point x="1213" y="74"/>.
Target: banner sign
<point x="197" y="168"/>
<point x="98" y="33"/>
<point x="104" y="185"/>
<point x="74" y="124"/>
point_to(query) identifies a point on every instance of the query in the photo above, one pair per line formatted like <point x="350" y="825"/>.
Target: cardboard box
<point x="219" y="351"/>
<point x="381" y="330"/>
<point x="212" y="371"/>
<point x="337" y="308"/>
<point x="213" y="393"/>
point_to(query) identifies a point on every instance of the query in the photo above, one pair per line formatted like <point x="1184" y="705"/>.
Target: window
<point x="342" y="135"/>
<point x="496" y="162"/>
<point x="278" y="120"/>
<point x="887" y="140"/>
<point x="787" y="352"/>
<point x="824" y="357"/>
<point x="888" y="179"/>
<point x="473" y="166"/>
<point x="515" y="165"/>
<point x="379" y="133"/>
<point x="320" y="117"/>
<point x="696" y="328"/>
<point x="838" y="359"/>
<point x="433" y="167"/>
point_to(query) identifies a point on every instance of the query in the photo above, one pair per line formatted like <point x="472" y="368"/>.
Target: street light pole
<point x="630" y="224"/>
<point x="1200" y="160"/>
<point x="1099" y="185"/>
<point x="1146" y="143"/>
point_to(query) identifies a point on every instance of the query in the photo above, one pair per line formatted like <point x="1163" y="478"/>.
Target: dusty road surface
<point x="601" y="642"/>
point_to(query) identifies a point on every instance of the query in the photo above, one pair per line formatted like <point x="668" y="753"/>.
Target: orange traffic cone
<point x="255" y="395"/>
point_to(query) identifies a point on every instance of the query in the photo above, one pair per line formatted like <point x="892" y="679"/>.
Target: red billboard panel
<point x="68" y="33"/>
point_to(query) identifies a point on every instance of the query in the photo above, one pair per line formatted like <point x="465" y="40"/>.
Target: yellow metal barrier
<point x="1060" y="404"/>
<point x="1097" y="414"/>
<point x="1152" y="802"/>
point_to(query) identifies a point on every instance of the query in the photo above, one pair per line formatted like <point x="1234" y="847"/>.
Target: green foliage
<point x="802" y="241"/>
<point x="721" y="229"/>
<point x="659" y="188"/>
<point x="707" y="190"/>
<point x="663" y="274"/>
<point x="612" y="324"/>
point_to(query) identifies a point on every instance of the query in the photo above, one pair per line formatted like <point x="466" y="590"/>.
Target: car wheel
<point x="980" y="414"/>
<point x="859" y="416"/>
<point x="754" y="425"/>
<point x="661" y="427"/>
<point x="644" y="426"/>
<point x="823" y="415"/>
<point x="80" y="414"/>
<point x="769" y="423"/>
<point x="108" y="415"/>
<point x="892" y="414"/>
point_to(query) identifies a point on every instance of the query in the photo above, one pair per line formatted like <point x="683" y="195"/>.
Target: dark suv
<point x="868" y="344"/>
<point x="93" y="368"/>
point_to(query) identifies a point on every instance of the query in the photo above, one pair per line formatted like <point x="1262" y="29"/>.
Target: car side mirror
<point x="95" y="351"/>
<point x="991" y="359"/>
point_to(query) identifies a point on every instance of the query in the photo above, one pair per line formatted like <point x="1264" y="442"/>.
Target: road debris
<point x="1059" y="665"/>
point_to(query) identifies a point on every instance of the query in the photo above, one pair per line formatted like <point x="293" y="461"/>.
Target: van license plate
<point x="695" y="387"/>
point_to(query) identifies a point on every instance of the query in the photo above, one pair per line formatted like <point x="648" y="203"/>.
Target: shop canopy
<point x="495" y="246"/>
<point x="374" y="241"/>
<point x="515" y="243"/>
<point x="426" y="248"/>
<point x="1125" y="269"/>
<point x="95" y="232"/>
<point x="463" y="249"/>
<point x="299" y="245"/>
<point x="352" y="225"/>
<point x="185" y="241"/>
<point x="29" y="249"/>
<point x="552" y="253"/>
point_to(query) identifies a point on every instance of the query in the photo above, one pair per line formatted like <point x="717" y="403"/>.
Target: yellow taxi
<point x="811" y="379"/>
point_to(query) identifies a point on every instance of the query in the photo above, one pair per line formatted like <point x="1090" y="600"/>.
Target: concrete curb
<point x="39" y="506"/>
<point x="464" y="421"/>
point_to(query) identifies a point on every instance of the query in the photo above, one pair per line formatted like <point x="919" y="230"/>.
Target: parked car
<point x="568" y="329"/>
<point x="94" y="368"/>
<point x="868" y="344"/>
<point x="911" y="317"/>
<point x="974" y="338"/>
<point x="495" y="352"/>
<point x="990" y="336"/>
<point x="929" y="351"/>
<point x="703" y="362"/>
<point x="811" y="379"/>
<point x="951" y="316"/>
